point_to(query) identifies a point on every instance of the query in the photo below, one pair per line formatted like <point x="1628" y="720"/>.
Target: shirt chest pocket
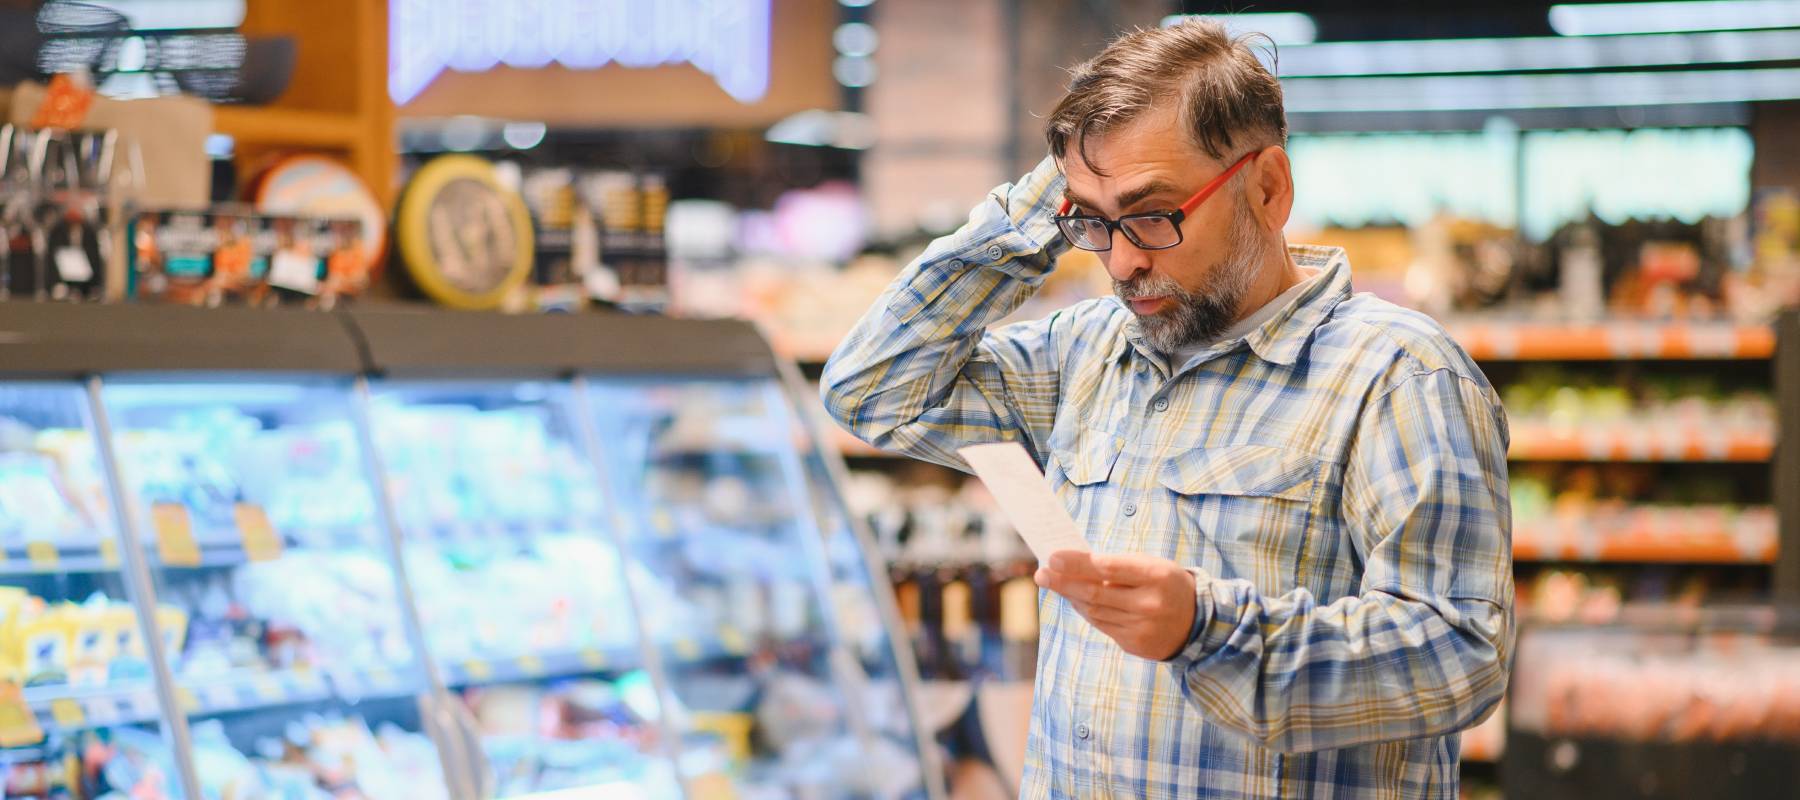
<point x="1244" y="511"/>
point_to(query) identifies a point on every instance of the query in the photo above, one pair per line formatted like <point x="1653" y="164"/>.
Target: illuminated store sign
<point x="727" y="39"/>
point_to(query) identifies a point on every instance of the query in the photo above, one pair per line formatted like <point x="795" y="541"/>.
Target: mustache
<point x="1148" y="286"/>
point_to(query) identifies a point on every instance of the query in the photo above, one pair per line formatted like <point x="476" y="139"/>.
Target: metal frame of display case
<point x="811" y="417"/>
<point x="1787" y="458"/>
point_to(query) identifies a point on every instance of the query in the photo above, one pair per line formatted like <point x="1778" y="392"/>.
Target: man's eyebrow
<point x="1135" y="196"/>
<point x="1126" y="200"/>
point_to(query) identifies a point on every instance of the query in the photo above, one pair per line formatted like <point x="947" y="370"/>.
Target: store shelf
<point x="1701" y="535"/>
<point x="463" y="530"/>
<point x="484" y="671"/>
<point x="72" y="708"/>
<point x="80" y="554"/>
<point x="285" y="126"/>
<point x="1537" y="441"/>
<point x="1513" y="341"/>
<point x="568" y="663"/>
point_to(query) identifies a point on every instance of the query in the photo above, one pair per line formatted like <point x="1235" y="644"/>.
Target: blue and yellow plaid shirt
<point x="1336" y="479"/>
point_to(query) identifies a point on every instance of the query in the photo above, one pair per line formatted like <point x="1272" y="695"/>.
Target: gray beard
<point x="1203" y="314"/>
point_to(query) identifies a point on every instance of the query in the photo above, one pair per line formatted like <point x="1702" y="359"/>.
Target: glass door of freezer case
<point x="279" y="609"/>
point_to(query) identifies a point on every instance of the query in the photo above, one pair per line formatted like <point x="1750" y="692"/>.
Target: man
<point x="1297" y="498"/>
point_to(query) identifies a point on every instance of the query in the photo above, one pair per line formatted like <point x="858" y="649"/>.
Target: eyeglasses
<point x="1152" y="230"/>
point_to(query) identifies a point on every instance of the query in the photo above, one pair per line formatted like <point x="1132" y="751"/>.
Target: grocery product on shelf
<point x="465" y="238"/>
<point x="577" y="733"/>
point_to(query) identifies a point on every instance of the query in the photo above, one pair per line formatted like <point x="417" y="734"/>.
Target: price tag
<point x="296" y="271"/>
<point x="381" y="678"/>
<point x="18" y="726"/>
<point x="72" y="265"/>
<point x="593" y="659"/>
<point x="109" y="552"/>
<point x="687" y="649"/>
<point x="733" y="641"/>
<point x="268" y="689"/>
<point x="43" y="555"/>
<point x="261" y="542"/>
<point x="477" y="669"/>
<point x="175" y="543"/>
<point x="663" y="522"/>
<point x="531" y="665"/>
<point x="67" y="713"/>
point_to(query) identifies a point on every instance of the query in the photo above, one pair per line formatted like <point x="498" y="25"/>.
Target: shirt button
<point x="1081" y="731"/>
<point x="1162" y="404"/>
<point x="1130" y="508"/>
<point x="995" y="253"/>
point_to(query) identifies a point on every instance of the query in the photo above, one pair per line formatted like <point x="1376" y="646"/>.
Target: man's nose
<point x="1126" y="260"/>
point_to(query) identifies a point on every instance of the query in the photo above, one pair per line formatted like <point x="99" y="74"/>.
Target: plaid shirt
<point x="1336" y="479"/>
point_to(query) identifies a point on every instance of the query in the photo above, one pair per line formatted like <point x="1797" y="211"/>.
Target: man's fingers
<point x="1131" y="569"/>
<point x="1077" y="564"/>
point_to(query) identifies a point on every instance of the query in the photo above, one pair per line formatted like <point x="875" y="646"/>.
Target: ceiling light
<point x="1285" y="28"/>
<point x="1565" y="90"/>
<point x="1697" y="15"/>
<point x="1523" y="54"/>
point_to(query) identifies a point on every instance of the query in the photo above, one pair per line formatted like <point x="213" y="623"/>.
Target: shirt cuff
<point x="1204" y="606"/>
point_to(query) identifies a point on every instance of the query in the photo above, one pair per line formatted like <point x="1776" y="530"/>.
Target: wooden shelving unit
<point x="337" y="102"/>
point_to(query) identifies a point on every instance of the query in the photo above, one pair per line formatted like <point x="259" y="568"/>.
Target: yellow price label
<point x="593" y="659"/>
<point x="268" y="689"/>
<point x="67" y="713"/>
<point x="733" y="641"/>
<point x="663" y="522"/>
<point x="261" y="542"/>
<point x="43" y="555"/>
<point x="175" y="543"/>
<point x="184" y="697"/>
<point x="530" y="665"/>
<point x="477" y="670"/>
<point x="687" y="649"/>
<point x="18" y="726"/>
<point x="109" y="552"/>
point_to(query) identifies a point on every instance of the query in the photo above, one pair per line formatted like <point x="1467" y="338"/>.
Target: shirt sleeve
<point x="922" y="374"/>
<point x="1425" y="647"/>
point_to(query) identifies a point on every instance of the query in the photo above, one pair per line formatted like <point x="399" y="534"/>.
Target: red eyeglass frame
<point x="1175" y="217"/>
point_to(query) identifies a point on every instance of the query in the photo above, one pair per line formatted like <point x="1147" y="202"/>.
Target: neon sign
<point x="727" y="39"/>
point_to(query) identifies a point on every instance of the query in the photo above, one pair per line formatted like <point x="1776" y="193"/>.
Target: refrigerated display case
<point x="1664" y="702"/>
<point x="79" y="710"/>
<point x="426" y="554"/>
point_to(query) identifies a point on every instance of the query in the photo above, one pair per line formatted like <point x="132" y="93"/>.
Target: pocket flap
<point x="1244" y="470"/>
<point x="1087" y="457"/>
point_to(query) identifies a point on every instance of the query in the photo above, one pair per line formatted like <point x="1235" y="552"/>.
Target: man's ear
<point x="1271" y="188"/>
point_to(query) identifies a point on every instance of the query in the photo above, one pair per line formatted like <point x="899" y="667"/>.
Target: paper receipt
<point x="1024" y="496"/>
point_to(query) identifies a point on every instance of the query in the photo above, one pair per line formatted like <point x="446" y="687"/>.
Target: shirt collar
<point x="1279" y="340"/>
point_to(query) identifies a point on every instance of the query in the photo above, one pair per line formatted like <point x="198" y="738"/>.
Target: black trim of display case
<point x="1787" y="458"/>
<point x="405" y="343"/>
<point x="61" y="340"/>
<point x="1580" y="768"/>
<point x="75" y="339"/>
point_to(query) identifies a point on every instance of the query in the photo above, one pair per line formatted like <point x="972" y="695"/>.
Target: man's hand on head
<point x="1145" y="604"/>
